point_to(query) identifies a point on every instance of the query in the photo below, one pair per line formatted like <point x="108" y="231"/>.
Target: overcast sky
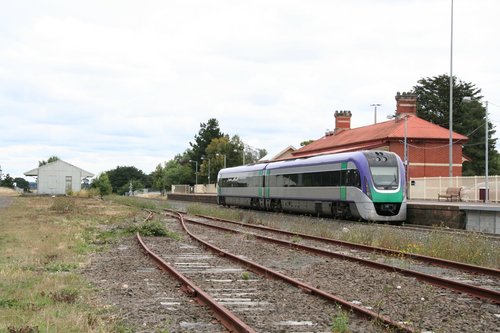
<point x="104" y="83"/>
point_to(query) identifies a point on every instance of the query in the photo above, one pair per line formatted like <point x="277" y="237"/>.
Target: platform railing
<point x="473" y="188"/>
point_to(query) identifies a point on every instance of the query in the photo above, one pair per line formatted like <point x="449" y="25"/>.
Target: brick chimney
<point x="406" y="103"/>
<point x="342" y="121"/>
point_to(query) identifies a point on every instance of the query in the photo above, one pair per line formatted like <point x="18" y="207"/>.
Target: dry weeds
<point x="43" y="243"/>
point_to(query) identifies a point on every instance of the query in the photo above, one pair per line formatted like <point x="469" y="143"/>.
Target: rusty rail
<point x="483" y="293"/>
<point x="430" y="260"/>
<point x="226" y="317"/>
<point x="397" y="327"/>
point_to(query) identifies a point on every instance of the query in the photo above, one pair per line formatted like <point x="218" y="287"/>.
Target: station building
<point x="427" y="143"/>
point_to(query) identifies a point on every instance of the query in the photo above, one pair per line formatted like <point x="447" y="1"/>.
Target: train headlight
<point x="367" y="189"/>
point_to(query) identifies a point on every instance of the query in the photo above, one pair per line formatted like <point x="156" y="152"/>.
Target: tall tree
<point x="159" y="177"/>
<point x="102" y="184"/>
<point x="468" y="117"/>
<point x="245" y="153"/>
<point x="217" y="155"/>
<point x="208" y="131"/>
<point x="121" y="177"/>
<point x="7" y="181"/>
<point x="22" y="183"/>
<point x="177" y="172"/>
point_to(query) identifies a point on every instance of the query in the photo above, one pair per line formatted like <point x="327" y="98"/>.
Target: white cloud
<point x="113" y="83"/>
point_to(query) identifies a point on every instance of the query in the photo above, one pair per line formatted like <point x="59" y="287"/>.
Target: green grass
<point x="138" y="202"/>
<point x="245" y="276"/>
<point x="340" y="323"/>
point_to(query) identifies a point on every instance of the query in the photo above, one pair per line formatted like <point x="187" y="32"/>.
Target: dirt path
<point x="5" y="201"/>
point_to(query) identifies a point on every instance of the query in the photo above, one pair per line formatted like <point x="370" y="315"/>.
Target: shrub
<point x="156" y="229"/>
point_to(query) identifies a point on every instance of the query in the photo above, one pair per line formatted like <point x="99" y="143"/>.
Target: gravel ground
<point x="401" y="298"/>
<point x="149" y="300"/>
<point x="124" y="272"/>
<point x="270" y="306"/>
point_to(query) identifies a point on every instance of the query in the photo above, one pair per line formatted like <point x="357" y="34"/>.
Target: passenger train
<point x="368" y="185"/>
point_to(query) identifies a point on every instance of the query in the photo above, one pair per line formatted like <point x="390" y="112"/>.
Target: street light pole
<point x="486" y="194"/>
<point x="406" y="148"/>
<point x="375" y="105"/>
<point x="223" y="155"/>
<point x="405" y="141"/>
<point x="196" y="170"/>
<point x="451" y="97"/>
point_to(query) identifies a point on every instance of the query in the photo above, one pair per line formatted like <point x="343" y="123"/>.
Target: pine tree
<point x="468" y="118"/>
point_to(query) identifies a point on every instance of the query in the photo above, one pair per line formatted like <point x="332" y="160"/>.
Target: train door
<point x="263" y="190"/>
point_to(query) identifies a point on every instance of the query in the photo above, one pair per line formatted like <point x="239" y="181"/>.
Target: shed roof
<point x="34" y="172"/>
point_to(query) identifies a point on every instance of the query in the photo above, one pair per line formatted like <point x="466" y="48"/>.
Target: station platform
<point x="473" y="216"/>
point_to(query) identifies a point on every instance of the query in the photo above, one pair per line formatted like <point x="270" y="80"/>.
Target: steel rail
<point x="483" y="293"/>
<point x="397" y="327"/>
<point x="427" y="228"/>
<point x="226" y="317"/>
<point x="431" y="260"/>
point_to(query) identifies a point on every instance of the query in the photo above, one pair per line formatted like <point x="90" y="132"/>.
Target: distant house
<point x="58" y="177"/>
<point x="284" y="154"/>
<point x="427" y="143"/>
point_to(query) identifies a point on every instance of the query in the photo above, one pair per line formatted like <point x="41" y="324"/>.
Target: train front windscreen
<point x="384" y="170"/>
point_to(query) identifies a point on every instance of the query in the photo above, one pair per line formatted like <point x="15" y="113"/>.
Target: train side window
<point x="307" y="179"/>
<point x="336" y="178"/>
<point x="291" y="180"/>
<point x="352" y="178"/>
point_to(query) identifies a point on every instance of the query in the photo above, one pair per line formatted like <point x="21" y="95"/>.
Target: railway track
<point x="483" y="282"/>
<point x="314" y="271"/>
<point x="146" y="299"/>
<point x="245" y="289"/>
<point x="426" y="228"/>
<point x="408" y="227"/>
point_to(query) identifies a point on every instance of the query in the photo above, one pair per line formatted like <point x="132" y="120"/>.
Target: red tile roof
<point x="372" y="136"/>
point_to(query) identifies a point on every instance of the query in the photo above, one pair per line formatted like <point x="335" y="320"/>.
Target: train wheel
<point x="276" y="205"/>
<point x="340" y="210"/>
<point x="254" y="203"/>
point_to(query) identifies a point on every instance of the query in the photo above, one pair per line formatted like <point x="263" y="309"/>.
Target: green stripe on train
<point x="387" y="197"/>
<point x="343" y="190"/>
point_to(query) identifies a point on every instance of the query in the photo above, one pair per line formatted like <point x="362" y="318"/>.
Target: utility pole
<point x="375" y="105"/>
<point x="451" y="100"/>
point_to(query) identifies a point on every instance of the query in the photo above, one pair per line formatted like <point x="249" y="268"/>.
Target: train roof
<point x="319" y="159"/>
<point x="314" y="160"/>
<point x="247" y="167"/>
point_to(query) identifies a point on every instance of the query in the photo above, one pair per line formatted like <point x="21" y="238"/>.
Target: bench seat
<point x="451" y="194"/>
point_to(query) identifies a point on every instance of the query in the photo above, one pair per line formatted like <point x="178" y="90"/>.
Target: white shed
<point x="58" y="177"/>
